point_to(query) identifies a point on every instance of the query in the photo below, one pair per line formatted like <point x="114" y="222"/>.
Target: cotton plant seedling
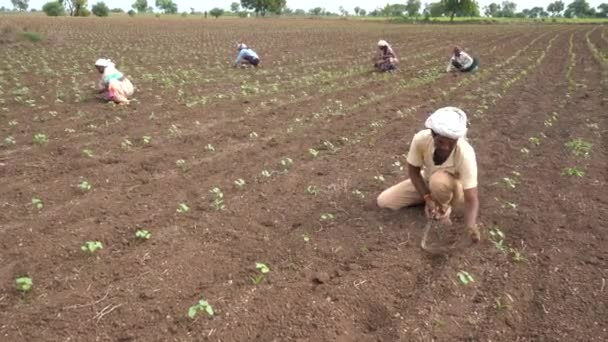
<point x="24" y="284"/>
<point x="517" y="256"/>
<point x="397" y="165"/>
<point x="181" y="164"/>
<point x="182" y="208"/>
<point x="379" y="178"/>
<point x="579" y="147"/>
<point x="9" y="141"/>
<point x="146" y="139"/>
<point x="87" y="153"/>
<point x="314" y="153"/>
<point x="174" y="131"/>
<point x="573" y="172"/>
<point x="509" y="205"/>
<point x="330" y="146"/>
<point x="40" y="139"/>
<point x="263" y="270"/>
<point x="240" y="183"/>
<point x="510" y="183"/>
<point x="286" y="163"/>
<point x="209" y="148"/>
<point x="358" y="193"/>
<point x="534" y="141"/>
<point x="327" y="217"/>
<point x="37" y="203"/>
<point x="13" y="123"/>
<point x="91" y="246"/>
<point x="524" y="151"/>
<point x="312" y="189"/>
<point x="201" y="306"/>
<point x="126" y="144"/>
<point x="143" y="234"/>
<point x="501" y="304"/>
<point x="498" y="239"/>
<point x="253" y="135"/>
<point x="266" y="173"/>
<point x="465" y="278"/>
<point x="306" y="238"/>
<point x="218" y="199"/>
<point x="84" y="186"/>
<point x="70" y="130"/>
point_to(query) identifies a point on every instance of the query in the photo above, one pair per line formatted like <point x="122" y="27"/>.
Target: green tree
<point x="362" y="12"/>
<point x="235" y="6"/>
<point x="216" y="12"/>
<point x="579" y="9"/>
<point x="460" y="7"/>
<point x="357" y="9"/>
<point x="20" y="5"/>
<point x="100" y="9"/>
<point x="117" y="10"/>
<point x="167" y="6"/>
<point x="413" y="8"/>
<point x="508" y="9"/>
<point x="53" y="9"/>
<point x="492" y="10"/>
<point x="555" y="8"/>
<point x="299" y="11"/>
<point x="602" y="10"/>
<point x="264" y="6"/>
<point x="435" y="9"/>
<point x="317" y="11"/>
<point x="140" y="6"/>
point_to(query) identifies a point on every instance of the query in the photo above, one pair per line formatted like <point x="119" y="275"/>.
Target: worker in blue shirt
<point x="246" y="55"/>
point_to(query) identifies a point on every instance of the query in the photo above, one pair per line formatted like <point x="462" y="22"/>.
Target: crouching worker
<point x="113" y="84"/>
<point x="443" y="172"/>
<point x="386" y="59"/>
<point x="461" y="61"/>
<point x="246" y="55"/>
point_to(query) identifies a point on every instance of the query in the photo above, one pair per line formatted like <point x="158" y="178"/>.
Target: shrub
<point x="100" y="9"/>
<point x="53" y="9"/>
<point x="131" y="13"/>
<point x="32" y="36"/>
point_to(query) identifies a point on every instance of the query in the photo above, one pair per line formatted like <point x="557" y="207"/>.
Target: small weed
<point x="218" y="199"/>
<point x="579" y="147"/>
<point x="313" y="152"/>
<point x="9" y="141"/>
<point x="146" y="139"/>
<point x="313" y="190"/>
<point x="517" y="256"/>
<point x="87" y="153"/>
<point x="84" y="186"/>
<point x="91" y="246"/>
<point x="534" y="141"/>
<point x="573" y="172"/>
<point x="240" y="183"/>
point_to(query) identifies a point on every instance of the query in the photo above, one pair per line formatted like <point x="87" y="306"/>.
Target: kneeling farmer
<point x="443" y="172"/>
<point x="246" y="55"/>
<point x="115" y="86"/>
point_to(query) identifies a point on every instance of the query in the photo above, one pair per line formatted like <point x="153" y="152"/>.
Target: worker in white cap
<point x="246" y="55"/>
<point x="113" y="84"/>
<point x="386" y="59"/>
<point x="443" y="172"/>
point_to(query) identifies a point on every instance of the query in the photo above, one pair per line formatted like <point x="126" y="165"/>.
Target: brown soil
<point x="360" y="276"/>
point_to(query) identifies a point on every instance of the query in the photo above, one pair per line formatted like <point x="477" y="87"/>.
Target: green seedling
<point x="263" y="270"/>
<point x="313" y="152"/>
<point x="498" y="239"/>
<point x="87" y="153"/>
<point x="509" y="205"/>
<point x="534" y="141"/>
<point x="363" y="249"/>
<point x="183" y="208"/>
<point x="210" y="148"/>
<point x="84" y="185"/>
<point x="397" y="164"/>
<point x="501" y="305"/>
<point x="218" y="199"/>
<point x="306" y="237"/>
<point x="143" y="234"/>
<point x="24" y="284"/>
<point x="70" y="130"/>
<point x="286" y="163"/>
<point x="517" y="256"/>
<point x="201" y="306"/>
<point x="465" y="278"/>
<point x="37" y="202"/>
<point x="379" y="178"/>
<point x="146" y="139"/>
<point x="510" y="183"/>
<point x="312" y="189"/>
<point x="359" y="194"/>
<point x="572" y="172"/>
<point x="524" y="151"/>
<point x="240" y="183"/>
<point x="9" y="141"/>
<point x="91" y="246"/>
<point x="327" y="217"/>
<point x="579" y="147"/>
<point x="40" y="139"/>
<point x="174" y="131"/>
<point x="13" y="123"/>
<point x="126" y="144"/>
<point x="253" y="135"/>
<point x="331" y="147"/>
<point x="181" y="164"/>
<point x="266" y="173"/>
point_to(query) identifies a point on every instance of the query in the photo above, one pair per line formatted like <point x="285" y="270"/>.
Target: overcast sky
<point x="332" y="5"/>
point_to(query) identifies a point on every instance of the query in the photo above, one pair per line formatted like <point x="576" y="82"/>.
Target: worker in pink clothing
<point x="113" y="84"/>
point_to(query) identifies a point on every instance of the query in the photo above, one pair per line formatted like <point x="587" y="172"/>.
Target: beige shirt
<point x="461" y="163"/>
<point x="464" y="59"/>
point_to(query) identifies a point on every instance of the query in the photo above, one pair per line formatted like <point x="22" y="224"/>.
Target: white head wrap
<point x="382" y="43"/>
<point x="104" y="62"/>
<point x="449" y="122"/>
<point x="241" y="46"/>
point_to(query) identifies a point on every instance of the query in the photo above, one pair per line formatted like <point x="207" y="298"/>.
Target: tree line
<point x="410" y="8"/>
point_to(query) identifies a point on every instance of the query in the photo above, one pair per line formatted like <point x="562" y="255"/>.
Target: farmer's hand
<point x="474" y="233"/>
<point x="430" y="207"/>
